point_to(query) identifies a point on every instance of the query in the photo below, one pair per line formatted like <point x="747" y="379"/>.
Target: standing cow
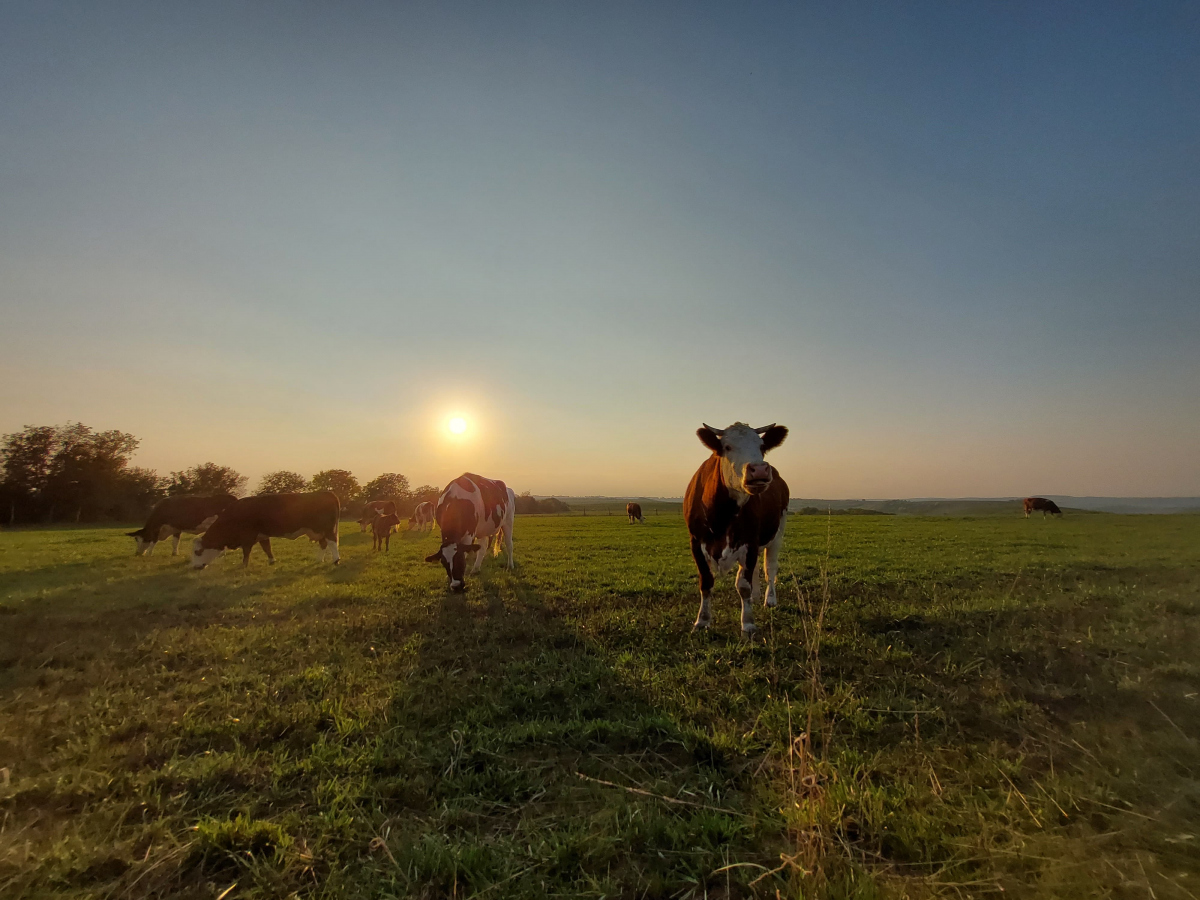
<point x="735" y="507"/>
<point x="634" y="511"/>
<point x="1032" y="504"/>
<point x="375" y="508"/>
<point x="381" y="528"/>
<point x="422" y="517"/>
<point x="258" y="519"/>
<point x="172" y="516"/>
<point x="470" y="508"/>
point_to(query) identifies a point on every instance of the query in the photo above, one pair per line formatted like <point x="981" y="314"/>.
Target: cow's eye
<point x="728" y="448"/>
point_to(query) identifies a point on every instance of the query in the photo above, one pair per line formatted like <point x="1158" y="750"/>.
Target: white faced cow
<point x="375" y="508"/>
<point x="254" y="520"/>
<point x="735" y="507"/>
<point x="470" y="508"/>
<point x="173" y="516"/>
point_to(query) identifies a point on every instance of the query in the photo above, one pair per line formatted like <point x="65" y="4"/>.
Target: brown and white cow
<point x="172" y="516"/>
<point x="254" y="520"/>
<point x="472" y="507"/>
<point x="735" y="507"/>
<point x="634" y="511"/>
<point x="375" y="508"/>
<point x="381" y="529"/>
<point x="422" y="517"/>
<point x="1032" y="504"/>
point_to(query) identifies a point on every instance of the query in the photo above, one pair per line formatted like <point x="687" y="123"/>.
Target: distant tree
<point x="26" y="456"/>
<point x="207" y="479"/>
<point x="138" y="490"/>
<point x="388" y="486"/>
<point x="282" y="482"/>
<point x="340" y="481"/>
<point x="527" y="504"/>
<point x="86" y="469"/>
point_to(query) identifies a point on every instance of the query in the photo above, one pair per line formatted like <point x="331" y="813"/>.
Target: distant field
<point x="986" y="705"/>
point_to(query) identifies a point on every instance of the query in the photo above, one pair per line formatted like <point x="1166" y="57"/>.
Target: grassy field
<point x="938" y="707"/>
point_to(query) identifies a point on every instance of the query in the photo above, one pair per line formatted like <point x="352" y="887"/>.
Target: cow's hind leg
<point x="704" y="616"/>
<point x="265" y="543"/>
<point x="175" y="544"/>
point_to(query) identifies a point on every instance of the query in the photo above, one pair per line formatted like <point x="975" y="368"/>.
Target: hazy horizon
<point x="956" y="250"/>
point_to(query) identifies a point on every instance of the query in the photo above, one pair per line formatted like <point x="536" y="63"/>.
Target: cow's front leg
<point x="479" y="555"/>
<point x="704" y="616"/>
<point x="747" y="588"/>
<point x="246" y="548"/>
<point x="265" y="543"/>
<point x="771" y="562"/>
<point x="175" y="545"/>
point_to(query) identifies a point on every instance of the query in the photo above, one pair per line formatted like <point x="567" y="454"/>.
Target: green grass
<point x="985" y="704"/>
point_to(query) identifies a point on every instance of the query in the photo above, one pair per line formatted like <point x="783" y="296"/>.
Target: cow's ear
<point x="773" y="437"/>
<point x="434" y="557"/>
<point x="709" y="439"/>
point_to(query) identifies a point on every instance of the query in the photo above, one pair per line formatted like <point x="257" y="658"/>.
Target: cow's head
<point x="741" y="450"/>
<point x="453" y="557"/>
<point x="201" y="555"/>
<point x="143" y="545"/>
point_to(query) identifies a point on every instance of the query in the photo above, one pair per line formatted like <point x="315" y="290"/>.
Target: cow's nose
<point x="758" y="471"/>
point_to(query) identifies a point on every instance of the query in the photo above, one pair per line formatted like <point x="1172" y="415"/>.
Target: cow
<point x="735" y="506"/>
<point x="634" y="511"/>
<point x="422" y="517"/>
<point x="382" y="527"/>
<point x="1046" y="506"/>
<point x="172" y="516"/>
<point x="472" y="507"/>
<point x="375" y="508"/>
<point x="258" y="519"/>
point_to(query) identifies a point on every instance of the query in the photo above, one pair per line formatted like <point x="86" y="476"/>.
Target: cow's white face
<point x="202" y="556"/>
<point x="741" y="449"/>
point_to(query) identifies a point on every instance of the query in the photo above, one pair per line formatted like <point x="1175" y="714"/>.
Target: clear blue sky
<point x="954" y="247"/>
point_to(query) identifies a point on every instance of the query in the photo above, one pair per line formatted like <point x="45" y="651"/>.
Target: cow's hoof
<point x="270" y="562"/>
<point x="701" y="624"/>
<point x="337" y="562"/>
<point x="771" y="601"/>
<point x="749" y="631"/>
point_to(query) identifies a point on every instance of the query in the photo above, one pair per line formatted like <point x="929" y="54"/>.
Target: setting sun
<point x="457" y="425"/>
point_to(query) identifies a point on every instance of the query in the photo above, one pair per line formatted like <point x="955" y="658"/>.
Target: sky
<point x="955" y="248"/>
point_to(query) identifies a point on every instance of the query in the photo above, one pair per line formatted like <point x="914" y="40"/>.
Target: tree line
<point x="73" y="473"/>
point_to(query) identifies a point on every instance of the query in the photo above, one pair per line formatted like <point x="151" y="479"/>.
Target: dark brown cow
<point x="472" y="507"/>
<point x="381" y="528"/>
<point x="634" y="511"/>
<point x="735" y="506"/>
<point x="375" y="508"/>
<point x="1032" y="504"/>
<point x="173" y="516"/>
<point x="258" y="519"/>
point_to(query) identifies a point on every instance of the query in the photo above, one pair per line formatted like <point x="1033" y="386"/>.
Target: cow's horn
<point x="765" y="428"/>
<point x="719" y="432"/>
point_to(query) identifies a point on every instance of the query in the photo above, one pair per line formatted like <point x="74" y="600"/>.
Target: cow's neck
<point x="735" y="493"/>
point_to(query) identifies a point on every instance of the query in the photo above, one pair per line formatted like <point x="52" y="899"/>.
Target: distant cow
<point x="173" y="516"/>
<point x="258" y="519"/>
<point x="382" y="527"/>
<point x="634" y="511"/>
<point x="1046" y="506"/>
<point x="422" y="517"/>
<point x="472" y="507"/>
<point x="735" y="506"/>
<point x="375" y="508"/>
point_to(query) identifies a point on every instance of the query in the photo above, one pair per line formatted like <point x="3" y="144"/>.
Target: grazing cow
<point x="375" y="508"/>
<point x="382" y="528"/>
<point x="634" y="511"/>
<point x="422" y="517"/>
<point x="258" y="519"/>
<point x="173" y="516"/>
<point x="736" y="505"/>
<point x="470" y="508"/>
<point x="1046" y="506"/>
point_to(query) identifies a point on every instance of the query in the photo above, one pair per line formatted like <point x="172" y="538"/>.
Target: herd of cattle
<point x="735" y="508"/>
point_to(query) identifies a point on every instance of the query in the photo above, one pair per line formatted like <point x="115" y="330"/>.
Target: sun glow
<point x="457" y="425"/>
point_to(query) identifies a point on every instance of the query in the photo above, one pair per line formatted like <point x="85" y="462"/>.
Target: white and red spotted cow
<point x="735" y="507"/>
<point x="172" y="516"/>
<point x="422" y="517"/>
<point x="470" y="508"/>
<point x="254" y="520"/>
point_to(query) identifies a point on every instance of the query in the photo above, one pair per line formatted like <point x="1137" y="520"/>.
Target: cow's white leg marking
<point x="175" y="545"/>
<point x="771" y="561"/>
<point x="479" y="555"/>
<point x="333" y="547"/>
<point x="704" y="615"/>
<point x="746" y="590"/>
<point x="150" y="548"/>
